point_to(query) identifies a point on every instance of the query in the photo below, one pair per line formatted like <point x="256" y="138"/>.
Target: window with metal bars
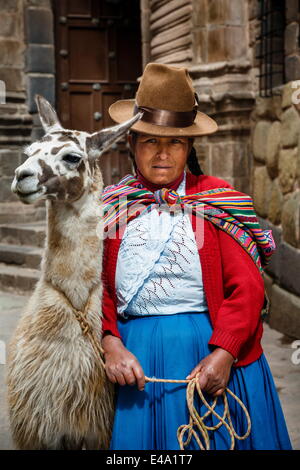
<point x="270" y="45"/>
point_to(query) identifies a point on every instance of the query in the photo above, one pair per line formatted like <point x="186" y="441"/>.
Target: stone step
<point x="16" y="212"/>
<point x="17" y="279"/>
<point x="23" y="234"/>
<point x="20" y="255"/>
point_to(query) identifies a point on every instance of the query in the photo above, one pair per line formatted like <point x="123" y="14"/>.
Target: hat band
<point x="163" y="117"/>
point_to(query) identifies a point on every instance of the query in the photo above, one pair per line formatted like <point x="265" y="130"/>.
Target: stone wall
<point x="210" y="38"/>
<point x="275" y="146"/>
<point x="26" y="68"/>
<point x="15" y="121"/>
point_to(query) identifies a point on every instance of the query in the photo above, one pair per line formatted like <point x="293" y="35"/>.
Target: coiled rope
<point x="196" y="423"/>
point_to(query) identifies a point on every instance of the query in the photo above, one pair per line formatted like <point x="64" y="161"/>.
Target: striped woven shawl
<point x="228" y="209"/>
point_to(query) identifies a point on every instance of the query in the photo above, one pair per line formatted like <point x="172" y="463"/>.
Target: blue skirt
<point x="170" y="346"/>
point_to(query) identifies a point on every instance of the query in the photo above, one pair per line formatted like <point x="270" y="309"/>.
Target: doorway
<point x="98" y="61"/>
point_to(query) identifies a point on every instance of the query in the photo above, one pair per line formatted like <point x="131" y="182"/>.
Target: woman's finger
<point x="129" y="377"/>
<point x="140" y="376"/>
<point x="219" y="392"/>
<point x="194" y="372"/>
<point x="203" y="381"/>
<point x="120" y="378"/>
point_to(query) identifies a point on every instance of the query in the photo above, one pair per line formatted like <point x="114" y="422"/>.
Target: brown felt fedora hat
<point x="169" y="104"/>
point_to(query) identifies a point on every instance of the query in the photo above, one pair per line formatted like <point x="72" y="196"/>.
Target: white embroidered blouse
<point x="158" y="268"/>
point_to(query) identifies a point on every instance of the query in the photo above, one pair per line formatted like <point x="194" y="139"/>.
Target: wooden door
<point x="98" y="61"/>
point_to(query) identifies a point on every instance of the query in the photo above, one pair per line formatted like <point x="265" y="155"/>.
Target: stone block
<point x="253" y="9"/>
<point x="241" y="183"/>
<point x="268" y="107"/>
<point x="261" y="190"/>
<point x="273" y="146"/>
<point x="5" y="192"/>
<point x="39" y="3"/>
<point x="291" y="10"/>
<point x="216" y="12"/>
<point x="222" y="160"/>
<point x="287" y="169"/>
<point x="40" y="58"/>
<point x="285" y="312"/>
<point x="275" y="204"/>
<point x="290" y="268"/>
<point x="292" y="68"/>
<point x="200" y="46"/>
<point x="42" y="85"/>
<point x="11" y="53"/>
<point x="235" y="12"/>
<point x="290" y="129"/>
<point x="39" y="26"/>
<point x="291" y="38"/>
<point x="236" y="45"/>
<point x="259" y="142"/>
<point x="290" y="220"/>
<point x="230" y="159"/>
<point x="263" y="107"/>
<point x="287" y="95"/>
<point x="9" y="5"/>
<point x="8" y="24"/>
<point x="9" y="161"/>
<point x="216" y="45"/>
<point x="200" y="12"/>
<point x="13" y="78"/>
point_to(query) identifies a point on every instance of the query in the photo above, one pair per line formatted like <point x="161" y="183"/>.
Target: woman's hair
<point x="192" y="160"/>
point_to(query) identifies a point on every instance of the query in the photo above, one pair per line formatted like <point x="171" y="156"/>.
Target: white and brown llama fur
<point x="58" y="393"/>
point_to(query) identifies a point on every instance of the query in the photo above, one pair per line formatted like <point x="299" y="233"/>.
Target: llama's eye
<point x="71" y="158"/>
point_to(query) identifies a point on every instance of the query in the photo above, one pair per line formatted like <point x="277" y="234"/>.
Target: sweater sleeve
<point x="109" y="306"/>
<point x="239" y="315"/>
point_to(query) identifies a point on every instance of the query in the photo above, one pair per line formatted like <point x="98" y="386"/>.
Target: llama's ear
<point x="100" y="142"/>
<point x="48" y="116"/>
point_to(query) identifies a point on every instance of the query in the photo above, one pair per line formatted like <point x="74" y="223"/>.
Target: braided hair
<point x="193" y="163"/>
<point x="192" y="160"/>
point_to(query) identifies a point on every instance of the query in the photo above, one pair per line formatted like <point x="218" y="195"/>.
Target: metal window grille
<point x="270" y="45"/>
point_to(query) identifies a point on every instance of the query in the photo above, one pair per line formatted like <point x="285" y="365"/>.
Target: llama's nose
<point x="24" y="173"/>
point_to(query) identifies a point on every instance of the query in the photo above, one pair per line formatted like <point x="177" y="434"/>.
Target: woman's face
<point x="160" y="159"/>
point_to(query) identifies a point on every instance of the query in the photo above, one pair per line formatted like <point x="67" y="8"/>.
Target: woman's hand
<point x="214" y="371"/>
<point x="121" y="366"/>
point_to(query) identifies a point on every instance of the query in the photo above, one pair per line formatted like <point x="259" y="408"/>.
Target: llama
<point x="58" y="393"/>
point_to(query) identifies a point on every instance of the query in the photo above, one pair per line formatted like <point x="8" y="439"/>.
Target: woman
<point x="176" y="303"/>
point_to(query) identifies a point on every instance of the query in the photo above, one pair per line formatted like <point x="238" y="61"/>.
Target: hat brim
<point x="122" y="110"/>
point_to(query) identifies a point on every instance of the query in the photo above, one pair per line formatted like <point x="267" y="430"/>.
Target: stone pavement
<point x="277" y="348"/>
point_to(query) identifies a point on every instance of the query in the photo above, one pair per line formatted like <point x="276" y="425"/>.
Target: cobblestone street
<point x="277" y="348"/>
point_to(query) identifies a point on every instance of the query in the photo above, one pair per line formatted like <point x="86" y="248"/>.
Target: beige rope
<point x="196" y="424"/>
<point x="85" y="326"/>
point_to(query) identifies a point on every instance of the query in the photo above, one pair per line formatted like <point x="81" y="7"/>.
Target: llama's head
<point x="61" y="165"/>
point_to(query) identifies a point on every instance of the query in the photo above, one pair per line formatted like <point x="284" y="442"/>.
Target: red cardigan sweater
<point x="232" y="283"/>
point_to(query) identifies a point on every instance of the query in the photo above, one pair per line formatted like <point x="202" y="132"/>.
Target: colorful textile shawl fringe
<point x="228" y="209"/>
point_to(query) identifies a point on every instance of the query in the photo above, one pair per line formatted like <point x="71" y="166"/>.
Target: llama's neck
<point x="72" y="259"/>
